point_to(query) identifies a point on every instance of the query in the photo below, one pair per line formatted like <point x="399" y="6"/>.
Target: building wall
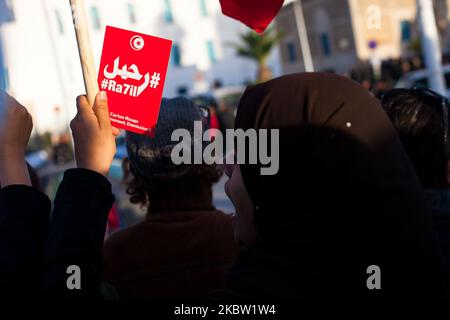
<point x="352" y="33"/>
<point x="442" y="9"/>
<point x="42" y="57"/>
<point x="6" y="16"/>
<point x="388" y="37"/>
<point x="330" y="36"/>
<point x="32" y="65"/>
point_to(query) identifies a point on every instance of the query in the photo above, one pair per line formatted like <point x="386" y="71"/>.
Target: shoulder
<point x="120" y="239"/>
<point x="221" y="219"/>
<point x="221" y="226"/>
<point x="116" y="251"/>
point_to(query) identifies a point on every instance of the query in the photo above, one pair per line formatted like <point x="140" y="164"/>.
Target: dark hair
<point x="418" y="116"/>
<point x="142" y="190"/>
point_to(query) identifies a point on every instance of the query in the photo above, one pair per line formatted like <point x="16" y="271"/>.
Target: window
<point x="182" y="91"/>
<point x="211" y="51"/>
<point x="292" y="52"/>
<point x="95" y="16"/>
<point x="176" y="55"/>
<point x="326" y="46"/>
<point x="203" y="8"/>
<point x="59" y="22"/>
<point x="405" y="27"/>
<point x="168" y="17"/>
<point x="131" y="13"/>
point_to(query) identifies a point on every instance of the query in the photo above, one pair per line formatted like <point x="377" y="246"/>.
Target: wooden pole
<point x="85" y="49"/>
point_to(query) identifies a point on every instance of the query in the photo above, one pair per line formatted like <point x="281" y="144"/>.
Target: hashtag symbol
<point x="105" y="84"/>
<point x="155" y="80"/>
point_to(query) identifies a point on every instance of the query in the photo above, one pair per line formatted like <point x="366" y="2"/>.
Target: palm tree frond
<point x="258" y="46"/>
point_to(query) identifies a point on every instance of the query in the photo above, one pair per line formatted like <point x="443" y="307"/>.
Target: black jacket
<point x="76" y="234"/>
<point x="24" y="219"/>
<point x="36" y="255"/>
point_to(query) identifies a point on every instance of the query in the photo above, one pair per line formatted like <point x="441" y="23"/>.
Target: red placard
<point x="133" y="71"/>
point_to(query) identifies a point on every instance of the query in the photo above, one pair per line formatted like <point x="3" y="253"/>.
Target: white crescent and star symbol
<point x="137" y="43"/>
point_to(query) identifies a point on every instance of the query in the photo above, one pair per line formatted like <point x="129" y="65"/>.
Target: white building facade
<point x="40" y="59"/>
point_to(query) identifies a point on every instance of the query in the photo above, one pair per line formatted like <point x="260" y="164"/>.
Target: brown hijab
<point x="345" y="197"/>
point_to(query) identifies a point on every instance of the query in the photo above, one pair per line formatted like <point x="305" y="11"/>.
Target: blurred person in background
<point x="62" y="151"/>
<point x="363" y="73"/>
<point x="421" y="118"/>
<point x="184" y="247"/>
<point x="226" y="116"/>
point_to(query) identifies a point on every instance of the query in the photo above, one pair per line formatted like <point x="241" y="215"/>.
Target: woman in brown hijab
<point x="345" y="198"/>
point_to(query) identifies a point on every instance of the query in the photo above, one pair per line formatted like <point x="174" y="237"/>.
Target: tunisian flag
<point x="257" y="14"/>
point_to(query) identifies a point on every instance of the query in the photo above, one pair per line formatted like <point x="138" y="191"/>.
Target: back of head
<point x="418" y="116"/>
<point x="154" y="174"/>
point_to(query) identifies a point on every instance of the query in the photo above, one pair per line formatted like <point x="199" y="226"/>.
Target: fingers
<point x="6" y="101"/>
<point x="101" y="110"/>
<point x="83" y="107"/>
<point x="15" y="108"/>
<point x="30" y="123"/>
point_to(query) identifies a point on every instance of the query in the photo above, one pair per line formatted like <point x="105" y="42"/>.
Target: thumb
<point x="101" y="110"/>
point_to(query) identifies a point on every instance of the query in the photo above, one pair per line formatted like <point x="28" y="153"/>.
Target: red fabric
<point x="113" y="219"/>
<point x="257" y="14"/>
<point x="213" y="124"/>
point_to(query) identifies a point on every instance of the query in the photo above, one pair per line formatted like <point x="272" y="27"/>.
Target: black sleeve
<point x="76" y="234"/>
<point x="24" y="219"/>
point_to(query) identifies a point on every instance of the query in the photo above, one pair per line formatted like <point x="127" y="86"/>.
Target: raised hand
<point x="93" y="135"/>
<point x="15" y="129"/>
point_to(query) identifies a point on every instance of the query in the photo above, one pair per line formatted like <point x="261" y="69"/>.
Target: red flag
<point x="257" y="14"/>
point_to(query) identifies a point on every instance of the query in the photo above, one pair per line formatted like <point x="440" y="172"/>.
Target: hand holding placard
<point x="95" y="146"/>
